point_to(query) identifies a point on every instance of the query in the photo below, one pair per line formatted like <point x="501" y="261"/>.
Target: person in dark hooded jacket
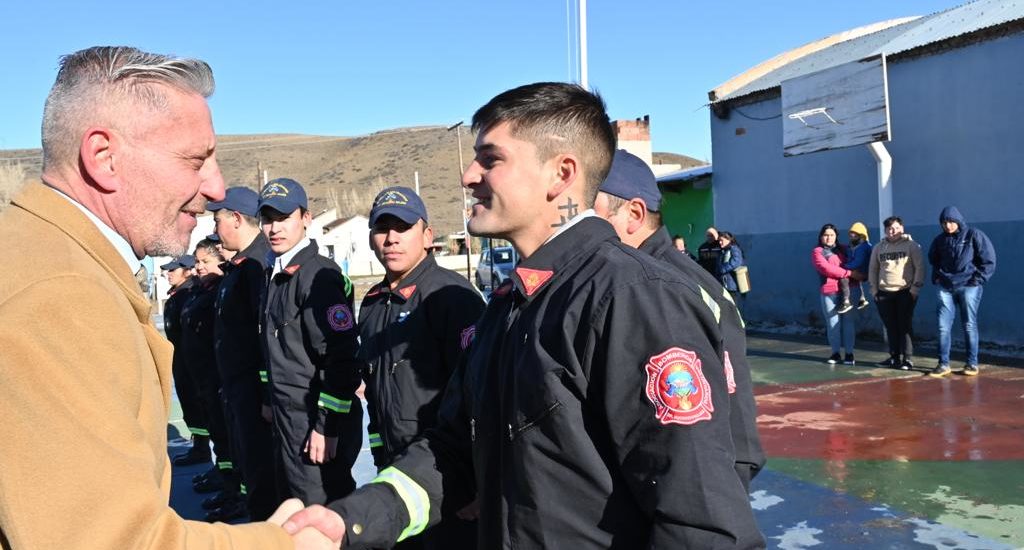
<point x="963" y="260"/>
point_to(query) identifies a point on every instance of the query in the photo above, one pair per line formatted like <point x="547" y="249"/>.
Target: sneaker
<point x="845" y="307"/>
<point x="889" y="363"/>
<point x="971" y="370"/>
<point x="907" y="364"/>
<point x="833" y="359"/>
<point x="848" y="360"/>
<point x="863" y="303"/>
<point x="940" y="371"/>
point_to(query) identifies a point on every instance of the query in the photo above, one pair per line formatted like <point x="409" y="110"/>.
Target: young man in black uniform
<point x="592" y="407"/>
<point x="630" y="200"/>
<point x="179" y="274"/>
<point x="413" y="326"/>
<point x="239" y="351"/>
<point x="311" y="342"/>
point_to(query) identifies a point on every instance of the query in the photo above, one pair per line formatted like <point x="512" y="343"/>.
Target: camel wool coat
<point x="85" y="381"/>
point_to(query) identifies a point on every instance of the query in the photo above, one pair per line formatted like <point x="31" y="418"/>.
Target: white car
<point x="495" y="266"/>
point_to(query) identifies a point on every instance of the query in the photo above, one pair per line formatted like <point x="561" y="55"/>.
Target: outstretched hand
<point x="307" y="536"/>
<point x="323" y="520"/>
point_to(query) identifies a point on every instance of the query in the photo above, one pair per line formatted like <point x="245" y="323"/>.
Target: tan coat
<point x="85" y="382"/>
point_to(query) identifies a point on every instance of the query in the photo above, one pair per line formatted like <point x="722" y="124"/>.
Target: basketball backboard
<point x="838" y="107"/>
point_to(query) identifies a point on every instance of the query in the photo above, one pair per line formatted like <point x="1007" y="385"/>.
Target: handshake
<point x="314" y="527"/>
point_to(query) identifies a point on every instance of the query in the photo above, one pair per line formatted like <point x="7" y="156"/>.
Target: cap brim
<point x="406" y="215"/>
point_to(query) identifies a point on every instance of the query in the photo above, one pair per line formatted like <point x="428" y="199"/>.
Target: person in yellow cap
<point x="858" y="258"/>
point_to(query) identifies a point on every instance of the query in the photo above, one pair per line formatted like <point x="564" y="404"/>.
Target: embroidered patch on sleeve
<point x="340" y="318"/>
<point x="730" y="375"/>
<point x="677" y="387"/>
<point x="467" y="336"/>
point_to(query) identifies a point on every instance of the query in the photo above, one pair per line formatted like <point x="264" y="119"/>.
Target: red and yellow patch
<point x="677" y="387"/>
<point x="533" y="278"/>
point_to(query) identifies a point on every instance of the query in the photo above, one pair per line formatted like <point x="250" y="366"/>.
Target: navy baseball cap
<point x="283" y="195"/>
<point x="631" y="178"/>
<point x="213" y="237"/>
<point x="237" y="199"/>
<point x="187" y="261"/>
<point x="400" y="202"/>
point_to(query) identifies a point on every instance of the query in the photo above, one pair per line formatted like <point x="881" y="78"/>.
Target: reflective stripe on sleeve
<point x="199" y="431"/>
<point x="375" y="441"/>
<point x="226" y="465"/>
<point x="708" y="301"/>
<point x="738" y="314"/>
<point x="332" y="403"/>
<point x="415" y="498"/>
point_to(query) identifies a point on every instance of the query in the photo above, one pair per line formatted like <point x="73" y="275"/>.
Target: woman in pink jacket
<point x="828" y="258"/>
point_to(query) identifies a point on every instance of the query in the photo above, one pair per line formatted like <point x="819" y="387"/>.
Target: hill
<point x="339" y="172"/>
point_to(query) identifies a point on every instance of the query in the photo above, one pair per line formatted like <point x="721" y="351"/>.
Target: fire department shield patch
<point x="677" y="387"/>
<point x="340" y="318"/>
<point x="466" y="338"/>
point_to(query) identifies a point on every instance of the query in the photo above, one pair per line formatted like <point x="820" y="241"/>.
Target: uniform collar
<point x="578" y="237"/>
<point x="257" y="250"/>
<point x="284" y="261"/>
<point x="183" y="286"/>
<point x="119" y="243"/>
<point x="407" y="287"/>
<point x="656" y="244"/>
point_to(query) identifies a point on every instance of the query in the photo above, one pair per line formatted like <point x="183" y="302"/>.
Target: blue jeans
<point x="839" y="328"/>
<point x="964" y="300"/>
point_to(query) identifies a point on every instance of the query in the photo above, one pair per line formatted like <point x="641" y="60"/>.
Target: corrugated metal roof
<point x="686" y="174"/>
<point x="930" y="29"/>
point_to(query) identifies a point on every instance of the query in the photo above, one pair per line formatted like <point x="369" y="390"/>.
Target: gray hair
<point x="111" y="76"/>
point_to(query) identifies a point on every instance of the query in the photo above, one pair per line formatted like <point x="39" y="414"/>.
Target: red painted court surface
<point x="908" y="417"/>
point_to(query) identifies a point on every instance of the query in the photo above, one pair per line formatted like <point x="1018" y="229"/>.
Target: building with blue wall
<point x="956" y="101"/>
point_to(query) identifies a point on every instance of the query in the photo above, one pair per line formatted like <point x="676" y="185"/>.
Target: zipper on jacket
<point x="514" y="432"/>
<point x="472" y="429"/>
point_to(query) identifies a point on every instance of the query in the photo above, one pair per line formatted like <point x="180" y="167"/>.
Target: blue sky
<point x="348" y="68"/>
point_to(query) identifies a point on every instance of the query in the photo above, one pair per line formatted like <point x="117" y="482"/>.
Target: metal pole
<point x="416" y="175"/>
<point x="583" y="45"/>
<point x="462" y="210"/>
<point x="884" y="161"/>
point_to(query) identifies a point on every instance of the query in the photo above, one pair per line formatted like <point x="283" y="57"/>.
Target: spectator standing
<point x="709" y="251"/>
<point x="896" y="274"/>
<point x="679" y="243"/>
<point x="827" y="259"/>
<point x="729" y="260"/>
<point x="963" y="260"/>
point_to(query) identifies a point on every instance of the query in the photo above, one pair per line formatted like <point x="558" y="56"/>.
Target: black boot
<point x="199" y="453"/>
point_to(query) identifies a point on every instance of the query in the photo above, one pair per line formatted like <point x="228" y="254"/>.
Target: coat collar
<point x="41" y="201"/>
<point x="407" y="287"/>
<point x="534" y="273"/>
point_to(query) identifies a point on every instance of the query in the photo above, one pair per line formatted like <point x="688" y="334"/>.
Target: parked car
<point x="495" y="266"/>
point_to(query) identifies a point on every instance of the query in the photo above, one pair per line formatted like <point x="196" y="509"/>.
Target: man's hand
<point x="323" y="520"/>
<point x="319" y="448"/>
<point x="306" y="537"/>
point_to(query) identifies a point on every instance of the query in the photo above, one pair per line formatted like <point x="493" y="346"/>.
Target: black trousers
<point x="188" y="396"/>
<point x="208" y="381"/>
<point x="298" y="476"/>
<point x="252" y="445"/>
<point x="897" y="312"/>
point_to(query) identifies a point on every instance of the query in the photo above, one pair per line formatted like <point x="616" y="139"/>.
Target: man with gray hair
<point x="128" y="164"/>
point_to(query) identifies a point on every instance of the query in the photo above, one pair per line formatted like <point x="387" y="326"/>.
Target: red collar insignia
<point x="292" y="269"/>
<point x="677" y="388"/>
<point x="407" y="291"/>
<point x="533" y="278"/>
<point x="375" y="290"/>
<point x="238" y="260"/>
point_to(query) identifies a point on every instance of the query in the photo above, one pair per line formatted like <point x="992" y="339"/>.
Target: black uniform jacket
<point x="172" y="311"/>
<point x="311" y="338"/>
<point x="411" y="338"/>
<point x="743" y="409"/>
<point x="197" y="320"/>
<point x="592" y="409"/>
<point x="239" y="350"/>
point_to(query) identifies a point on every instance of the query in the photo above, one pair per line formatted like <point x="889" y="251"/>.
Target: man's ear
<point x="100" y="154"/>
<point x="637" y="209"/>
<point x="428" y="237"/>
<point x="566" y="173"/>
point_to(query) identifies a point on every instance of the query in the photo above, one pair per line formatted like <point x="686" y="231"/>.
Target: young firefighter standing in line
<point x="413" y="327"/>
<point x="311" y="340"/>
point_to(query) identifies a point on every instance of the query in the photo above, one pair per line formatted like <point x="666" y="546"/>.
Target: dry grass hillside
<point x="338" y="172"/>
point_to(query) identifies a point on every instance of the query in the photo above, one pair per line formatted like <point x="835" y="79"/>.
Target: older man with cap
<point x="413" y="325"/>
<point x="311" y="339"/>
<point x="630" y="200"/>
<point x="240" y="353"/>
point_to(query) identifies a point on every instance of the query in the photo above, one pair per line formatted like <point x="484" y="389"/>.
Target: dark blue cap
<point x="187" y="261"/>
<point x="400" y="202"/>
<point x="283" y="195"/>
<point x="237" y="199"/>
<point x="213" y="237"/>
<point x="631" y="178"/>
